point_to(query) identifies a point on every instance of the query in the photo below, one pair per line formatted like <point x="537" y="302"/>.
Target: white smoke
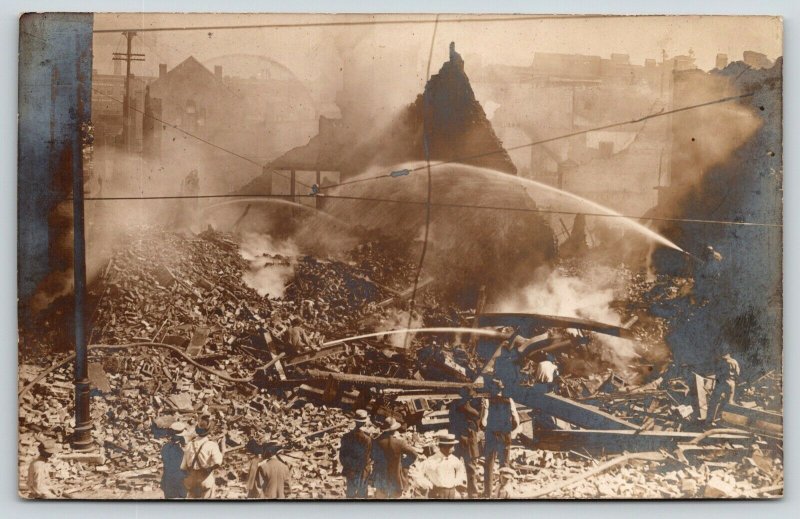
<point x="272" y="263"/>
<point x="396" y="319"/>
<point x="586" y="296"/>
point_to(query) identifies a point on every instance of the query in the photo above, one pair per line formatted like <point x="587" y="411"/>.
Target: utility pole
<point x="127" y="57"/>
<point x="82" y="434"/>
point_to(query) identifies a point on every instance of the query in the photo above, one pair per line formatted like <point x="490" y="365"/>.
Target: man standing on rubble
<point x="390" y="455"/>
<point x="727" y="373"/>
<point x="465" y="417"/>
<point x="444" y="471"/>
<point x="39" y="472"/>
<point x="354" y="456"/>
<point x="172" y="457"/>
<point x="297" y="339"/>
<point x="201" y="457"/>
<point x="273" y="477"/>
<point x="500" y="422"/>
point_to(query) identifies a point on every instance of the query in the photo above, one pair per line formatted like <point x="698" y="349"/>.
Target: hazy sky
<point x="311" y="52"/>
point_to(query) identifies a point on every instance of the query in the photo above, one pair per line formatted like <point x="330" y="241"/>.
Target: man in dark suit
<point x="354" y="456"/>
<point x="390" y="454"/>
<point x="465" y="416"/>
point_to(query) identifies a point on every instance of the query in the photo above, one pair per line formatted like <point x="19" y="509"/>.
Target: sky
<point x="313" y="53"/>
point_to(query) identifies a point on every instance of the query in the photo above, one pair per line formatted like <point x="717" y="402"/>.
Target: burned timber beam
<point x="582" y="415"/>
<point x="617" y="441"/>
<point x="765" y="422"/>
<point x="316" y="374"/>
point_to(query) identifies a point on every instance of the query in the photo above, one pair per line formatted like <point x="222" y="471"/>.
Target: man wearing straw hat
<point x="38" y="472"/>
<point x="201" y="457"/>
<point x="354" y="456"/>
<point x="443" y="470"/>
<point x="172" y="457"/>
<point x="506" y="490"/>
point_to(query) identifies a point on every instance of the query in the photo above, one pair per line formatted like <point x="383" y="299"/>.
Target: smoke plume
<point x="272" y="263"/>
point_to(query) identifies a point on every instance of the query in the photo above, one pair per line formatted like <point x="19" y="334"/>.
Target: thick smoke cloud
<point x="272" y="263"/>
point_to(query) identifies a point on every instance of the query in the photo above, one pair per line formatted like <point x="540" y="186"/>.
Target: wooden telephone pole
<point x="127" y="57"/>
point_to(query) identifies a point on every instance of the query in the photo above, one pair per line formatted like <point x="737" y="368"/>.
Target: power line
<point x="550" y="139"/>
<point x="427" y="150"/>
<point x="175" y="127"/>
<point x="440" y="204"/>
<point x="217" y="146"/>
<point x="354" y="23"/>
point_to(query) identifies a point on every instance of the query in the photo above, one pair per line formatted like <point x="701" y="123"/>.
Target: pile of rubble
<point x="176" y="333"/>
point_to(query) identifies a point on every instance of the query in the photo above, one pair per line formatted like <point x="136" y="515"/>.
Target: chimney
<point x="218" y="72"/>
<point x="722" y="61"/>
<point x="162" y="69"/>
<point x="117" y="67"/>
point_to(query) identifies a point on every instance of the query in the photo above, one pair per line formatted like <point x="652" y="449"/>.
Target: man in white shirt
<point x="444" y="470"/>
<point x="546" y="371"/>
<point x="200" y="458"/>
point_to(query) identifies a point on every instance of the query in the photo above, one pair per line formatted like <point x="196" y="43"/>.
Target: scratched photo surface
<point x="406" y="256"/>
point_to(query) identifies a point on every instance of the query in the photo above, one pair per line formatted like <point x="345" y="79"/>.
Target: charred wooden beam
<point x="759" y="420"/>
<point x="618" y="441"/>
<point x="576" y="413"/>
<point x="387" y="381"/>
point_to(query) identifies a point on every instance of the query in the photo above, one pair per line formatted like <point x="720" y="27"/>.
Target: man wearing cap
<point x="273" y="477"/>
<point x="465" y="417"/>
<point x="390" y="455"/>
<point x="506" y="490"/>
<point x="500" y="422"/>
<point x="727" y="373"/>
<point x="354" y="456"/>
<point x="172" y="457"/>
<point x="443" y="470"/>
<point x="201" y="457"/>
<point x="39" y="472"/>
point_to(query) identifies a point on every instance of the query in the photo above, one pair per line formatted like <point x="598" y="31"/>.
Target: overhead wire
<point x="463" y="159"/>
<point x="426" y="132"/>
<point x="354" y="23"/>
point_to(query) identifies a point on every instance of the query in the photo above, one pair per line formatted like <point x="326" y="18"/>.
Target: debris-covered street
<point x="397" y="256"/>
<point x="183" y="336"/>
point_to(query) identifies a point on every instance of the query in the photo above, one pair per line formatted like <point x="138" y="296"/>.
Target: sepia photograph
<point x="400" y="256"/>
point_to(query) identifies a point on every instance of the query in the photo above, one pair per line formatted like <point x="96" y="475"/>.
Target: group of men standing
<point x="190" y="465"/>
<point x="450" y="472"/>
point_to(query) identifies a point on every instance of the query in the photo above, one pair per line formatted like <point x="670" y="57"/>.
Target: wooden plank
<point x="616" y="441"/>
<point x="386" y="381"/>
<point x="199" y="339"/>
<point x="759" y="420"/>
<point x="583" y="415"/>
